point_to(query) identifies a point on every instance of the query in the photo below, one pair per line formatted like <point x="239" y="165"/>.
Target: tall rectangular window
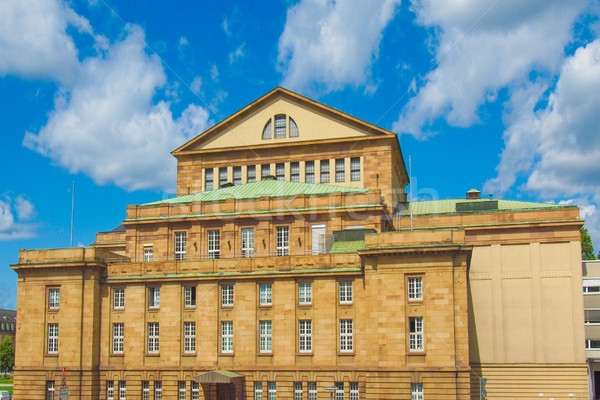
<point x="153" y="297"/>
<point x="118" y="337"/>
<point x="248" y="242"/>
<point x="148" y="253"/>
<point x="354" y="391"/>
<point x="345" y="292"/>
<point x="189" y="296"/>
<point x="145" y="390"/>
<point x="53" y="298"/>
<point x="52" y="338"/>
<point x="324" y="171"/>
<point x="280" y="126"/>
<point x="189" y="337"/>
<point x="157" y="390"/>
<point x="355" y="169"/>
<point x="49" y="390"/>
<point x="195" y="390"/>
<point x="304" y="293"/>
<point x="415" y="328"/>
<point x="258" y="392"/>
<point x="266" y="293"/>
<point x="110" y="390"/>
<point x="309" y="172"/>
<point x="119" y="298"/>
<point x="122" y="390"/>
<point x="214" y="244"/>
<point x="282" y="240"/>
<point x="339" y="390"/>
<point x="227" y="336"/>
<point x="346" y="335"/>
<point x="305" y="335"/>
<point x="340" y="170"/>
<point x="416" y="391"/>
<point x="251" y="173"/>
<point x="265" y="171"/>
<point x="153" y="337"/>
<point x="181" y="392"/>
<point x="280" y="171"/>
<point x="295" y="172"/>
<point x="297" y="390"/>
<point x="237" y="175"/>
<point x="222" y="176"/>
<point x="208" y="179"/>
<point x="265" y="336"/>
<point x="415" y="288"/>
<point x="227" y="295"/>
<point x="180" y="245"/>
<point x="312" y="390"/>
<point x="272" y="386"/>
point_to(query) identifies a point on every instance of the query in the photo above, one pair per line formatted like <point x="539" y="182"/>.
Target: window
<point x="305" y="335"/>
<point x="340" y="170"/>
<point x="415" y="338"/>
<point x="324" y="171"/>
<point x="346" y="335"/>
<point x="52" y="338"/>
<point x="293" y="128"/>
<point x="415" y="288"/>
<point x="53" y="298"/>
<point x="222" y="176"/>
<point x="304" y="293"/>
<point x="148" y="254"/>
<point x="189" y="337"/>
<point x="119" y="298"/>
<point x="591" y="289"/>
<point x="353" y="390"/>
<point x="49" y="390"/>
<point x="267" y="130"/>
<point x="208" y="179"/>
<point x="339" y="391"/>
<point x="145" y="390"/>
<point x="195" y="391"/>
<point x="258" y="394"/>
<point x="309" y="172"/>
<point x="189" y="296"/>
<point x="227" y="336"/>
<point x="283" y="240"/>
<point x="272" y="386"/>
<point x="416" y="391"/>
<point x="266" y="294"/>
<point x="157" y="390"/>
<point x="280" y="126"/>
<point x="265" y="171"/>
<point x="312" y="390"/>
<point x="297" y="390"/>
<point x="248" y="242"/>
<point x="295" y="172"/>
<point x="346" y="292"/>
<point x="251" y="173"/>
<point x="592" y="344"/>
<point x="227" y="295"/>
<point x="122" y="390"/>
<point x="280" y="171"/>
<point x="214" y="244"/>
<point x="237" y="175"/>
<point x="110" y="390"/>
<point x="355" y="169"/>
<point x="265" y="336"/>
<point x="153" y="297"/>
<point x="153" y="337"/>
<point x="118" y="335"/>
<point x="180" y="245"/>
<point x="181" y="390"/>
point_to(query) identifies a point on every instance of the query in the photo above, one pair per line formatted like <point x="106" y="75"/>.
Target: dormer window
<point x="280" y="126"/>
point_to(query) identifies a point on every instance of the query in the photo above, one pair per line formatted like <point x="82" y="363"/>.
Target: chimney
<point x="473" y="194"/>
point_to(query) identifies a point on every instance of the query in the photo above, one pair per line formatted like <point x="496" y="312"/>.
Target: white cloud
<point x="329" y="44"/>
<point x="237" y="54"/>
<point x="14" y="214"/>
<point x="483" y="46"/>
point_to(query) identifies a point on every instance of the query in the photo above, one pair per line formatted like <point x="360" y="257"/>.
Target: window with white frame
<point x="110" y="390"/>
<point x="195" y="390"/>
<point x="148" y="253"/>
<point x="52" y="338"/>
<point x="248" y="242"/>
<point x="272" y="387"/>
<point x="53" y="298"/>
<point x="345" y="292"/>
<point x="122" y="390"/>
<point x="265" y="336"/>
<point x="297" y="390"/>
<point x="237" y="175"/>
<point x="189" y="337"/>
<point x="282" y="240"/>
<point x="222" y="176"/>
<point x="355" y="169"/>
<point x="346" y="336"/>
<point x="118" y="337"/>
<point x="180" y="245"/>
<point x="251" y="173"/>
<point x="265" y="171"/>
<point x="354" y="391"/>
<point x="591" y="344"/>
<point x="416" y="391"/>
<point x="227" y="295"/>
<point x="182" y="390"/>
<point x="208" y="179"/>
<point x="415" y="288"/>
<point x="49" y="390"/>
<point x="153" y="297"/>
<point x="266" y="294"/>
<point x="214" y="243"/>
<point x="157" y="390"/>
<point x="145" y="390"/>
<point x="267" y="130"/>
<point x="312" y="390"/>
<point x="119" y="298"/>
<point x="293" y="128"/>
<point x="339" y="390"/>
<point x="258" y="391"/>
<point x="340" y="170"/>
<point x="324" y="164"/>
<point x="280" y="122"/>
<point x="153" y="337"/>
<point x="227" y="336"/>
<point x="304" y="293"/>
<point x="415" y="329"/>
<point x="591" y="289"/>
<point x="305" y="335"/>
<point x="309" y="172"/>
<point x="280" y="171"/>
<point x="189" y="296"/>
<point x="295" y="172"/>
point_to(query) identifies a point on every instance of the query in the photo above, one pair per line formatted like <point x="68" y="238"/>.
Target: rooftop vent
<point x="473" y="194"/>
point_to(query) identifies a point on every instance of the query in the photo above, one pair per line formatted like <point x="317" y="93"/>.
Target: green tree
<point x="7" y="354"/>
<point x="587" y="248"/>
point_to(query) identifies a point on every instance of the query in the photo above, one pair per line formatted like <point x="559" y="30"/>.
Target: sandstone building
<point x="290" y="265"/>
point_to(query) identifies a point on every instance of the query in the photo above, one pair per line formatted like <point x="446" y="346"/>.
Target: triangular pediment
<point x="280" y="117"/>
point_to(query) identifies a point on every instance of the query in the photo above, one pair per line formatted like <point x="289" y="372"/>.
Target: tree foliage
<point x="587" y="248"/>
<point x="7" y="354"/>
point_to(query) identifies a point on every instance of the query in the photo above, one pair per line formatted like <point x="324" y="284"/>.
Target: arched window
<point x="280" y="122"/>
<point x="293" y="128"/>
<point x="267" y="130"/>
<point x="279" y="127"/>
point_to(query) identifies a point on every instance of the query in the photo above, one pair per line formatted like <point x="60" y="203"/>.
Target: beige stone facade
<point x="267" y="288"/>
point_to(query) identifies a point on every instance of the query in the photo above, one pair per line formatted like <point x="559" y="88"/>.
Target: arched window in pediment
<point x="293" y="128"/>
<point x="267" y="130"/>
<point x="280" y="126"/>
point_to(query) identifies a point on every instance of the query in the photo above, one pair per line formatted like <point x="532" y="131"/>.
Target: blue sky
<point x="500" y="95"/>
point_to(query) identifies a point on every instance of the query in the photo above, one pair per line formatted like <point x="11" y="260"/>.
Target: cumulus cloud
<point x="482" y="46"/>
<point x="329" y="44"/>
<point x="14" y="216"/>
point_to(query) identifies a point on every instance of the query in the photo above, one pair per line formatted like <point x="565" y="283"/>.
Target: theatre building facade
<point x="291" y="266"/>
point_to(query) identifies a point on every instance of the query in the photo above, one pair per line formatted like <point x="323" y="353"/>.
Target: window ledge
<point x="117" y="354"/>
<point x="265" y="354"/>
<point x="152" y="354"/>
<point x="51" y="354"/>
<point x="345" y="353"/>
<point x="189" y="354"/>
<point x="226" y="354"/>
<point x="304" y="353"/>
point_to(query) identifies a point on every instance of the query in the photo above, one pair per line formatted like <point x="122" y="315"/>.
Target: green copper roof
<point x="255" y="190"/>
<point x="347" y="247"/>
<point x="449" y="206"/>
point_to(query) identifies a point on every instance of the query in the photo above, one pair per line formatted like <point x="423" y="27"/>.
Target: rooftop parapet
<point x="64" y="257"/>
